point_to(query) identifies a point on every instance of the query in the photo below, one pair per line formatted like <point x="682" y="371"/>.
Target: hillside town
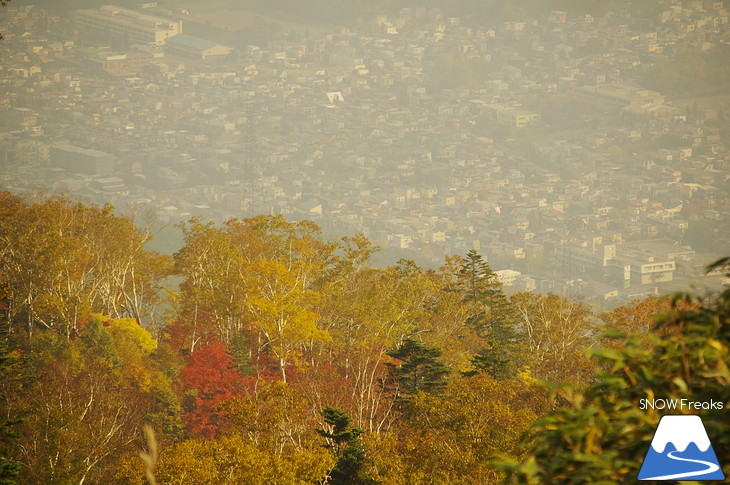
<point x="532" y="141"/>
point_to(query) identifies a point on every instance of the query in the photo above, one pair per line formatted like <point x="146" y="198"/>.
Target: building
<point x="513" y="116"/>
<point x="558" y="17"/>
<point x="592" y="261"/>
<point x="644" y="271"/>
<point x="648" y="262"/>
<point x="82" y="160"/>
<point x="507" y="277"/>
<point x="192" y="47"/>
<point x="117" y="63"/>
<point x="401" y="241"/>
<point x="615" y="97"/>
<point x="127" y="24"/>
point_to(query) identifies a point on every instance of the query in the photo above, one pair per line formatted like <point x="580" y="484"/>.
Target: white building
<point x="507" y="277"/>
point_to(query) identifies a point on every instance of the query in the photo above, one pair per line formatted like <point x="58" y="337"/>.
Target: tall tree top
<point x="476" y="278"/>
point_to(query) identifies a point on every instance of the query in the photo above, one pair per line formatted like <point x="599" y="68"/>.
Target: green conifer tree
<point x="495" y="317"/>
<point x="420" y="370"/>
<point x="344" y="442"/>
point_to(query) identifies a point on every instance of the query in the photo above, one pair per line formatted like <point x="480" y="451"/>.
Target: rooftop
<point x="191" y="41"/>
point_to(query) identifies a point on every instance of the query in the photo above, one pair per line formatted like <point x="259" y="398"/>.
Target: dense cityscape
<point x="532" y="141"/>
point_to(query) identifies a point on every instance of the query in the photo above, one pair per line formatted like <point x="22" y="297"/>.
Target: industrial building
<point x="136" y="27"/>
<point x="189" y="46"/>
<point x="82" y="160"/>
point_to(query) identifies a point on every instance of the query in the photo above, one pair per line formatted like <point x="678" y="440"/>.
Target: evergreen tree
<point x="345" y="444"/>
<point x="421" y="369"/>
<point x="476" y="278"/>
<point x="494" y="317"/>
<point x="495" y="361"/>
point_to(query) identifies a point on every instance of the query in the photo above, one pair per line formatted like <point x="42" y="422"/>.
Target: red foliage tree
<point x="210" y="379"/>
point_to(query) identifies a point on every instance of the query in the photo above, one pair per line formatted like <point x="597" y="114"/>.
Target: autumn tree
<point x="368" y="313"/>
<point x="232" y="459"/>
<point x="84" y="400"/>
<point x="79" y="415"/>
<point x="11" y="382"/>
<point x="454" y="438"/>
<point x="65" y="260"/>
<point x="207" y="303"/>
<point x="276" y="417"/>
<point x="446" y="318"/>
<point x="31" y="253"/>
<point x="269" y="439"/>
<point x="282" y="309"/>
<point x="637" y="318"/>
<point x="557" y="333"/>
<point x="255" y="275"/>
<point x="210" y="380"/>
<point x="166" y="411"/>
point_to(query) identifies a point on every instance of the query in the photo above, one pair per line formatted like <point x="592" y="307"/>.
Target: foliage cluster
<point x="602" y="434"/>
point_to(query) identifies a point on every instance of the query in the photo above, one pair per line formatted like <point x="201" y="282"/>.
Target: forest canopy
<point x="284" y="357"/>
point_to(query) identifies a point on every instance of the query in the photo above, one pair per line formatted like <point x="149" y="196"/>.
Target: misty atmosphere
<point x="403" y="182"/>
<point x="564" y="141"/>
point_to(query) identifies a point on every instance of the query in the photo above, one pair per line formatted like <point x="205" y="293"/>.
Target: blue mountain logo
<point x="681" y="450"/>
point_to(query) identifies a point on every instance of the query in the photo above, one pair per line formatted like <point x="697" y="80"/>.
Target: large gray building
<point x="82" y="160"/>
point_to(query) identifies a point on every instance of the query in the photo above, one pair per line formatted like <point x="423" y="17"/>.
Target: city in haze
<point x="581" y="147"/>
